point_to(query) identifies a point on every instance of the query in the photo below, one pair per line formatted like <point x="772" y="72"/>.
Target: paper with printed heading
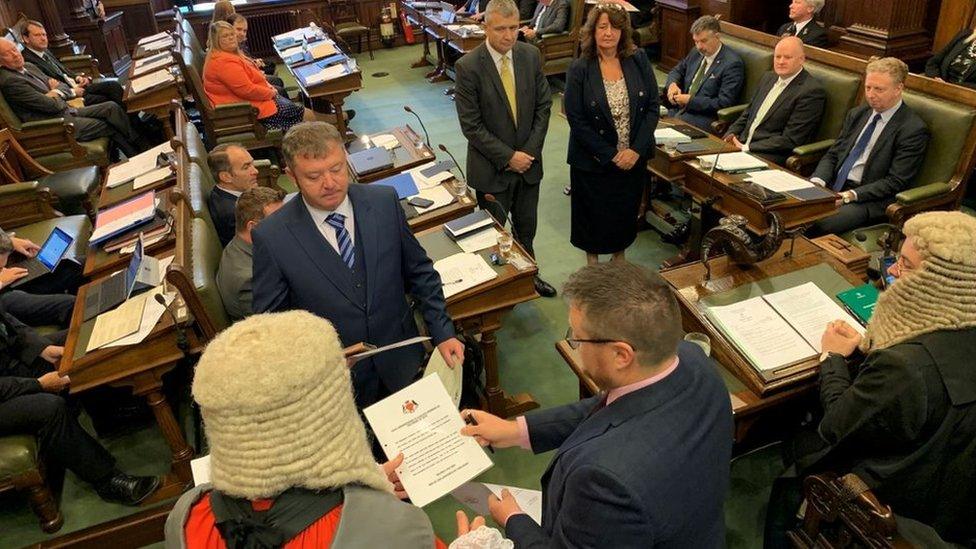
<point x="422" y="422"/>
<point x="462" y="271"/>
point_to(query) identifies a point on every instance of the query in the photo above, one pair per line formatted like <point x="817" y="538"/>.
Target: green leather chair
<point x="52" y="142"/>
<point x="200" y="183"/>
<point x="649" y="34"/>
<point x="26" y="208"/>
<point x="206" y="253"/>
<point x="844" y="91"/>
<point x="559" y="49"/>
<point x="757" y="59"/>
<point x="21" y="470"/>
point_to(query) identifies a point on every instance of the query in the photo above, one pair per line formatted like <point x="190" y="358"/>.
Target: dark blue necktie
<point x="346" y="249"/>
<point x="856" y="152"/>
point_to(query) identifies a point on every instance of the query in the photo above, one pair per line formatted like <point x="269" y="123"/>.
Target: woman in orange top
<point x="229" y="77"/>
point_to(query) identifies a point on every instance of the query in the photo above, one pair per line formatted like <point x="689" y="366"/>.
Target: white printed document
<point x="423" y="423"/>
<point x="737" y="162"/>
<point x="150" y="80"/>
<point x="462" y="271"/>
<point x="779" y="180"/>
<point x="137" y="165"/>
<point x="670" y="135"/>
<point x="475" y="496"/>
<point x="475" y="242"/>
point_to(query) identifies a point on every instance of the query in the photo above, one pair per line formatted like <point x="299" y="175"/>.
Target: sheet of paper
<point x="671" y="135"/>
<point x="475" y="496"/>
<point x="137" y="165"/>
<point x="736" y="161"/>
<point x="779" y="180"/>
<point x="440" y="195"/>
<point x="328" y="73"/>
<point x="808" y="309"/>
<point x="143" y="83"/>
<point x="200" y="467"/>
<point x="462" y="271"/>
<point x="149" y="178"/>
<point x="450" y="377"/>
<point x="151" y="314"/>
<point x="322" y="49"/>
<point x="423" y="423"/>
<point x="397" y="345"/>
<point x="761" y="333"/>
<point x="152" y="38"/>
<point x="155" y="65"/>
<point x="292" y="51"/>
<point x="120" y="322"/>
<point x="139" y="63"/>
<point x="479" y="241"/>
<point x="387" y="140"/>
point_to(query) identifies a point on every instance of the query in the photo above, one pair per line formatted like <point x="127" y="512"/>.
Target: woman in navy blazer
<point x="612" y="107"/>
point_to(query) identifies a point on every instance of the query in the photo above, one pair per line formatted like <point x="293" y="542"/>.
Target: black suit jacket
<point x="649" y="470"/>
<point x="222" y="206"/>
<point x="592" y="135"/>
<point x="892" y="164"/>
<point x="938" y="64"/>
<point x="26" y="96"/>
<point x="721" y="87"/>
<point x="49" y="64"/>
<point x="554" y="20"/>
<point x="812" y="34"/>
<point x="792" y="121"/>
<point x="489" y="124"/>
<point x="904" y="420"/>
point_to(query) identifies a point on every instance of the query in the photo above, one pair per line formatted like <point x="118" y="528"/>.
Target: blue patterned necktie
<point x="856" y="152"/>
<point x="346" y="249"/>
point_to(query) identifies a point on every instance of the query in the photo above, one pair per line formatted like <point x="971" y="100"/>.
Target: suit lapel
<point x="488" y="65"/>
<point x="318" y="249"/>
<point x="597" y="89"/>
<point x="787" y="94"/>
<point x="367" y="243"/>
<point x="31" y="78"/>
<point x="635" y="90"/>
<point x="765" y="87"/>
<point x="888" y="132"/>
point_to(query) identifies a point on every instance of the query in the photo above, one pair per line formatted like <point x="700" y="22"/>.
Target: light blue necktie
<point x="856" y="152"/>
<point x="346" y="249"/>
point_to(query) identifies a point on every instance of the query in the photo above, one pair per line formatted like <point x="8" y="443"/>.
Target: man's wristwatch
<point x="847" y="197"/>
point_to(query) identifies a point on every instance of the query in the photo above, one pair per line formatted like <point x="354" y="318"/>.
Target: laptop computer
<point x="47" y="258"/>
<point x="115" y="289"/>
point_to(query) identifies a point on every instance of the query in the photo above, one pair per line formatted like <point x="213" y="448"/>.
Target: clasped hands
<point x="625" y="159"/>
<point x="840" y="338"/>
<point x="676" y="97"/>
<point x="520" y="162"/>
<point x="731" y="138"/>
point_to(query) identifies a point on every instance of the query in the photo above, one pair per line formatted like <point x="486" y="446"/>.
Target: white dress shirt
<point x="767" y="103"/>
<point x="799" y="26"/>
<point x="708" y="60"/>
<point x="319" y="217"/>
<point x="535" y="24"/>
<point x="497" y="58"/>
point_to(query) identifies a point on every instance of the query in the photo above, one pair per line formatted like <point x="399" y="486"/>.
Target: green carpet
<point x="528" y="360"/>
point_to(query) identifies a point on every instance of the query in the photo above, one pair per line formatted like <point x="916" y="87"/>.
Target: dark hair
<point x="621" y="301"/>
<point x="619" y="19"/>
<point x="251" y="204"/>
<point x="219" y="159"/>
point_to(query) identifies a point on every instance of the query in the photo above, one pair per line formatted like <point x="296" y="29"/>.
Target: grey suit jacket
<point x="554" y="20"/>
<point x="792" y="121"/>
<point x="27" y="97"/>
<point x="489" y="124"/>
<point x="234" y="278"/>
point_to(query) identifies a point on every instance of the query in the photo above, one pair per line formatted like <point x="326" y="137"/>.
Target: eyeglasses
<point x="574" y="343"/>
<point x="610" y="6"/>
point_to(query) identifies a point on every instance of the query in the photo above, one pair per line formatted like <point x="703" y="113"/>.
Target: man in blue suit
<point x="646" y="463"/>
<point x="346" y="254"/>
<point x="709" y="78"/>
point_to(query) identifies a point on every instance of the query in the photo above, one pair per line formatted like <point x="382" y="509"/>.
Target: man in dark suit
<point x="93" y="91"/>
<point x="550" y="16"/>
<point x="709" y="78"/>
<point x="785" y="112"/>
<point x="233" y="169"/>
<point x="473" y="9"/>
<point x="802" y="24"/>
<point x="626" y="460"/>
<point x="29" y="94"/>
<point x="503" y="105"/>
<point x="347" y="254"/>
<point x="877" y="154"/>
<point x="956" y="62"/>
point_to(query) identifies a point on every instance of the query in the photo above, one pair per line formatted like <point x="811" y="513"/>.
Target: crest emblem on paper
<point x="410" y="406"/>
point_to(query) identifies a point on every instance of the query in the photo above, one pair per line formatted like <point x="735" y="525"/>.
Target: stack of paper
<point x="151" y="80"/>
<point x="386" y="140"/>
<point x="149" y="178"/>
<point x="158" y="44"/>
<point x="164" y="60"/>
<point x="118" y="323"/>
<point x="779" y="180"/>
<point x="462" y="271"/>
<point x="151" y="313"/>
<point x="328" y="73"/>
<point x="670" y="135"/>
<point x="434" y="180"/>
<point x="137" y="165"/>
<point x="739" y="162"/>
<point x="153" y="38"/>
<point x="440" y="195"/>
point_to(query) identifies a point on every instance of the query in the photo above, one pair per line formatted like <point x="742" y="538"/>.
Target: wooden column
<point x="104" y="38"/>
<point x="49" y="13"/>
<point x="887" y="28"/>
<point x="676" y="19"/>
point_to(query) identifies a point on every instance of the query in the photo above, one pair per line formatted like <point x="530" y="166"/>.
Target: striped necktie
<point x="346" y="249"/>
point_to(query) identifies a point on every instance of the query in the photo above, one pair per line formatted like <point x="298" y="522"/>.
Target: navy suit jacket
<point x="592" y="135"/>
<point x="222" y="206"/>
<point x="649" y="470"/>
<point x="720" y="89"/>
<point x="296" y="268"/>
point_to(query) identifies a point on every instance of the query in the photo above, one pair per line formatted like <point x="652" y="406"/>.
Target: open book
<point x="779" y="330"/>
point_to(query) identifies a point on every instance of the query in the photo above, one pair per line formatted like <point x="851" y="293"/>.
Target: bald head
<point x="10" y="56"/>
<point x="788" y="57"/>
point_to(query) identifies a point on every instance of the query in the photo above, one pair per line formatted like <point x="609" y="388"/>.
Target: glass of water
<point x="458" y="187"/>
<point x="505" y="245"/>
<point x="700" y="339"/>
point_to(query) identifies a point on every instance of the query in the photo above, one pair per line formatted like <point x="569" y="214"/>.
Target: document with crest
<point x="422" y="422"/>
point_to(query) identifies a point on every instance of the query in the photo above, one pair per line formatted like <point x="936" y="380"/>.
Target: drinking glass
<point x="505" y="245"/>
<point x="700" y="339"/>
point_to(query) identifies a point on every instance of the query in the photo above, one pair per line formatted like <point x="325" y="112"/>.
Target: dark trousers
<point x="848" y="217"/>
<point x="104" y="90"/>
<point x="106" y="120"/>
<point x="522" y="201"/>
<point x="63" y="443"/>
<point x="41" y="310"/>
<point x="66" y="278"/>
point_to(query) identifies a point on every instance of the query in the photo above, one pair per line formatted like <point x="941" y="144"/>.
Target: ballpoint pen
<point x="470" y="420"/>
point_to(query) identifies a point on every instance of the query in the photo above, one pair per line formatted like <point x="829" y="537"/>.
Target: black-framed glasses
<point x="574" y="342"/>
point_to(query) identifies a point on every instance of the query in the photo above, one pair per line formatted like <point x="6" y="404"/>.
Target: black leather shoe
<point x="127" y="489"/>
<point x="544" y="288"/>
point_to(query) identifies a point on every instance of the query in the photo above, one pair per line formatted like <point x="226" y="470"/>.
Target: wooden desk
<point x="156" y="100"/>
<point x="416" y="17"/>
<point x="331" y="92"/>
<point x="479" y="310"/>
<point x="440" y="216"/>
<point x="687" y="282"/>
<point x="405" y="156"/>
<point x="100" y="263"/>
<point x="109" y="197"/>
<point x="671" y="166"/>
<point x="140" y="367"/>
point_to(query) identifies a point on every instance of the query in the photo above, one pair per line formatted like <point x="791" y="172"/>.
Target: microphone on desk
<point x="448" y="153"/>
<point x="426" y="135"/>
<point x="181" y="341"/>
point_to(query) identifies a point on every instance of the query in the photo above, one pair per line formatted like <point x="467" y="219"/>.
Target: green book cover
<point x="860" y="301"/>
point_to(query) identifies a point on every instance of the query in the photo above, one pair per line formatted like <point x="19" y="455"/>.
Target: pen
<point x="458" y="281"/>
<point x="469" y="419"/>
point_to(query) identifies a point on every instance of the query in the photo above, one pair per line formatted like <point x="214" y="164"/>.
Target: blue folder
<point x="402" y="182"/>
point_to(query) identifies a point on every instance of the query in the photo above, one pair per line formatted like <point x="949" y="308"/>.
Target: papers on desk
<point x="151" y="80"/>
<point x="164" y="60"/>
<point x="200" y="468"/>
<point x="139" y="63"/>
<point x="326" y="74"/>
<point x="780" y="329"/>
<point x="285" y="54"/>
<point x="322" y="49"/>
<point x="151" y="314"/>
<point x="422" y="422"/>
<point x="462" y="271"/>
<point x="670" y="135"/>
<point x="434" y="180"/>
<point x="124" y="216"/>
<point x="440" y="195"/>
<point x="137" y="165"/>
<point x="297" y="35"/>
<point x="779" y="180"/>
<point x="155" y="37"/>
<point x="479" y="241"/>
<point x="151" y="177"/>
<point x="130" y="322"/>
<point x="386" y="140"/>
<point x="475" y="496"/>
<point x="738" y="162"/>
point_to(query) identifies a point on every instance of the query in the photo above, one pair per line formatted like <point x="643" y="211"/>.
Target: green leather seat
<point x="74" y="188"/>
<point x="200" y="183"/>
<point x="949" y="125"/>
<point x="78" y="226"/>
<point x="195" y="148"/>
<point x="757" y="60"/>
<point x="18" y="455"/>
<point x="843" y="91"/>
<point x="206" y="259"/>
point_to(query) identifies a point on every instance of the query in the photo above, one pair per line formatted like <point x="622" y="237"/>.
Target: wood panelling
<point x="105" y="39"/>
<point x="888" y="28"/>
<point x="138" y="18"/>
<point x="954" y="16"/>
<point x="676" y="19"/>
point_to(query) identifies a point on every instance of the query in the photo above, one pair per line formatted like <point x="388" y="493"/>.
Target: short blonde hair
<point x="892" y="66"/>
<point x="213" y="37"/>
